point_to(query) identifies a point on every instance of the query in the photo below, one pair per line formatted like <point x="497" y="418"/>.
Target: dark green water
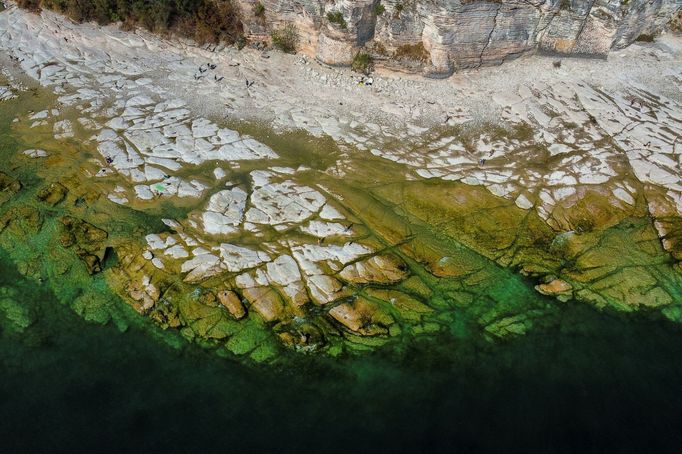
<point x="595" y="384"/>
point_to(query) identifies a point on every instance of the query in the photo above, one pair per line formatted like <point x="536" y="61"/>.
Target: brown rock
<point x="92" y="262"/>
<point x="232" y="303"/>
<point x="556" y="287"/>
<point x="380" y="269"/>
<point x="266" y="302"/>
<point x="363" y="317"/>
<point x="348" y="316"/>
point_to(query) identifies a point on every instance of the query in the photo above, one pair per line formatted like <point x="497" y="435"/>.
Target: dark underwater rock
<point x="89" y="242"/>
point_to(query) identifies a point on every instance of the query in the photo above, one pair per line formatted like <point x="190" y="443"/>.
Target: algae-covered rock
<point x="18" y="315"/>
<point x="516" y="325"/>
<point x="493" y="227"/>
<point x="362" y="316"/>
<point x="199" y="316"/>
<point x="408" y="308"/>
<point x="21" y="220"/>
<point x="416" y="286"/>
<point x="264" y="352"/>
<point x="8" y="187"/>
<point x="88" y="241"/>
<point x="673" y="313"/>
<point x="166" y="315"/>
<point x="380" y="269"/>
<point x="52" y="194"/>
<point x="250" y="335"/>
<point x="301" y="335"/>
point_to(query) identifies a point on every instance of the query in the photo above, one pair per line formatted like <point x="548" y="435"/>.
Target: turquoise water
<point x="594" y="383"/>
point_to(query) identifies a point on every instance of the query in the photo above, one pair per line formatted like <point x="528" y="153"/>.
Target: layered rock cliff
<point x="442" y="36"/>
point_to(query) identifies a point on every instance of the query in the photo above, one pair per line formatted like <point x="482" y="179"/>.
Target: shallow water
<point x="596" y="383"/>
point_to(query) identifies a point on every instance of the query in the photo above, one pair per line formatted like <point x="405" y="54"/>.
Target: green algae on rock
<point x="363" y="260"/>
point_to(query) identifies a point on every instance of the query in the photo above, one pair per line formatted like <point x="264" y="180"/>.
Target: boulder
<point x="266" y="302"/>
<point x="362" y="316"/>
<point x="555" y="287"/>
<point x="232" y="303"/>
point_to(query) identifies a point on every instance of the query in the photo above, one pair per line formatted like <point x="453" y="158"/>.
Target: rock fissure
<point x="490" y="35"/>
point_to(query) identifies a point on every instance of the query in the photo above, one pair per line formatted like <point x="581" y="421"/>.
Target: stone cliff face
<point x="442" y="36"/>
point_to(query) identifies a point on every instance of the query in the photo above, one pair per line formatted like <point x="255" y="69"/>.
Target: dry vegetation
<point x="285" y="38"/>
<point x="206" y="21"/>
<point x="415" y="52"/>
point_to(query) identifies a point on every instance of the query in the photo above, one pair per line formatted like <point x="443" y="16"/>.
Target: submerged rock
<point x="22" y="219"/>
<point x="362" y="317"/>
<point x="89" y="242"/>
<point x="52" y="194"/>
<point x="303" y="336"/>
<point x="18" y="315"/>
<point x="8" y="187"/>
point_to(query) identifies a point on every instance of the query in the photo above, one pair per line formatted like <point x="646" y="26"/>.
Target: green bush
<point x="202" y="20"/>
<point x="258" y="10"/>
<point x="285" y="38"/>
<point x="362" y="63"/>
<point x="31" y="5"/>
<point x="645" y="38"/>
<point x="336" y="17"/>
<point x="379" y="9"/>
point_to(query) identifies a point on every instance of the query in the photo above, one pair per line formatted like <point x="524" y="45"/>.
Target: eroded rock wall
<point x="442" y="36"/>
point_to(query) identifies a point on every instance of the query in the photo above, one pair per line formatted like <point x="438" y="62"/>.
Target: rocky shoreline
<point x="359" y="231"/>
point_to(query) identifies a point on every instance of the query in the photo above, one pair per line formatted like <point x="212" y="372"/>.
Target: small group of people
<point x="366" y="80"/>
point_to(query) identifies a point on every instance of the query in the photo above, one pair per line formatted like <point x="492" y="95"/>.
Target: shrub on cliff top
<point x="362" y="63"/>
<point x="258" y="9"/>
<point x="336" y="17"/>
<point x="203" y="20"/>
<point x="31" y="5"/>
<point x="285" y="38"/>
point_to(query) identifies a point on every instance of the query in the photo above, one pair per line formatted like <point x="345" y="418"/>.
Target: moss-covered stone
<point x="18" y="315"/>
<point x="52" y="194"/>
<point x="8" y="187"/>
